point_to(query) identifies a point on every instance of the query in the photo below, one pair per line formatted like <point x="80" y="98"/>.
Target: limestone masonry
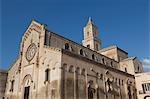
<point x="50" y="66"/>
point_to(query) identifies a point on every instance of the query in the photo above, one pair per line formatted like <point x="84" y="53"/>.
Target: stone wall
<point x="63" y="43"/>
<point x="87" y="77"/>
<point x="3" y="80"/>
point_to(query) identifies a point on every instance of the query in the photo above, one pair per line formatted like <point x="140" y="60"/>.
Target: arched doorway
<point x="27" y="86"/>
<point x="26" y="92"/>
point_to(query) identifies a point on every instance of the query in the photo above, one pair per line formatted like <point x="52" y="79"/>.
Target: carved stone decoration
<point x="31" y="51"/>
<point x="36" y="27"/>
<point x="91" y="90"/>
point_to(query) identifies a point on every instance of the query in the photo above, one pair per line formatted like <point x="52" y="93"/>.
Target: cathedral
<point x="50" y="66"/>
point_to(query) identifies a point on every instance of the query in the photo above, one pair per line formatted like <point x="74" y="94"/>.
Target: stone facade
<point x="143" y="85"/>
<point x="50" y="66"/>
<point x="114" y="52"/>
<point x="3" y="79"/>
<point x="131" y="65"/>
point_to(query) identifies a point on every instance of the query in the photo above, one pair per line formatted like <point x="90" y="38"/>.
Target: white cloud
<point x="146" y="63"/>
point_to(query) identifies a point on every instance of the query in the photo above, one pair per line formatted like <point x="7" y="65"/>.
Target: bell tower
<point x="91" y="36"/>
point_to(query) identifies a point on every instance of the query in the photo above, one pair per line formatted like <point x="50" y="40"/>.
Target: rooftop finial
<point x="90" y="20"/>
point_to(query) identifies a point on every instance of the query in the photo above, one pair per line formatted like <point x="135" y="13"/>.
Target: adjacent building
<point x="143" y="85"/>
<point x="50" y="66"/>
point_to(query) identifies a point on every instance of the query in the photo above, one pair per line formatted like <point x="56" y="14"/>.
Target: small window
<point x="119" y="82"/>
<point x="12" y="86"/>
<point x="87" y="33"/>
<point x="83" y="72"/>
<point x="46" y="74"/>
<point x="122" y="82"/>
<point x="96" y="58"/>
<point x="125" y="69"/>
<point x="67" y="46"/>
<point x="111" y="63"/>
<point x="88" y="46"/>
<point x="101" y="76"/>
<point x="138" y="69"/>
<point x="97" y="47"/>
<point x="116" y="80"/>
<point x="71" y="48"/>
<point x="103" y="61"/>
<point x="93" y="57"/>
<point x="81" y="52"/>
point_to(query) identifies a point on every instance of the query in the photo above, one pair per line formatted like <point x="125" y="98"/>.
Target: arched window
<point x="125" y="69"/>
<point x="83" y="72"/>
<point x="93" y="57"/>
<point x="116" y="81"/>
<point x="81" y="52"/>
<point x="65" y="67"/>
<point x="78" y="70"/>
<point x="129" y="93"/>
<point x="97" y="47"/>
<point x="122" y="82"/>
<point x="111" y="63"/>
<point x="46" y="74"/>
<point x="138" y="69"/>
<point x="12" y="85"/>
<point x="67" y="46"/>
<point x="119" y="81"/>
<point x="101" y="76"/>
<point x="103" y="61"/>
<point x="71" y="69"/>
